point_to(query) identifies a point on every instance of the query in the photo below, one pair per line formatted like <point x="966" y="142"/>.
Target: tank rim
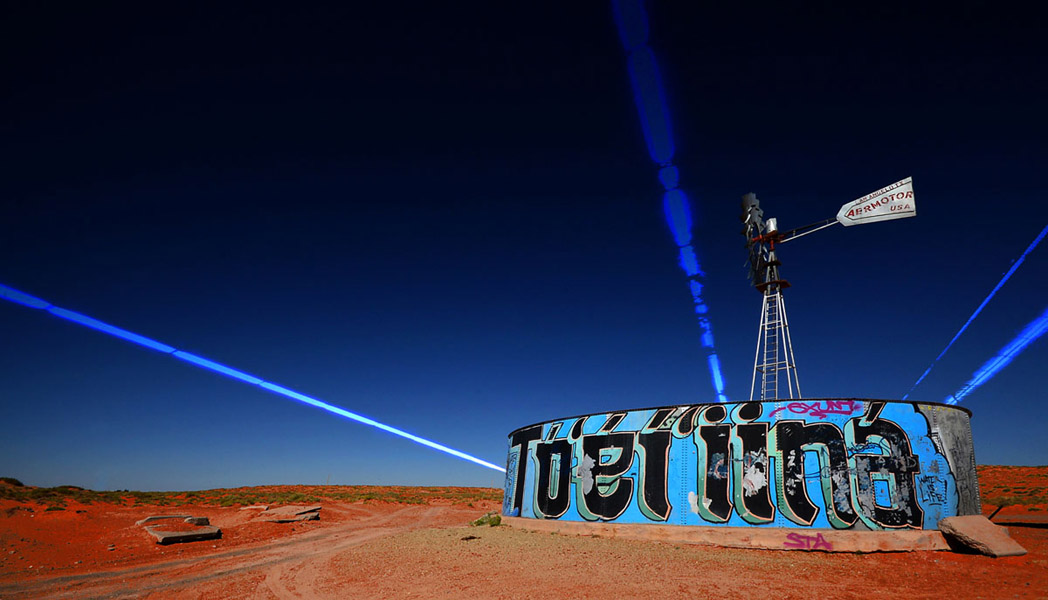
<point x="954" y="406"/>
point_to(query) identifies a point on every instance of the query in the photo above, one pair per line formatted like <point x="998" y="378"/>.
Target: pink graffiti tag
<point x="815" y="409"/>
<point x="807" y="542"/>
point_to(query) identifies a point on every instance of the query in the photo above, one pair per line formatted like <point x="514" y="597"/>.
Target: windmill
<point x="773" y="359"/>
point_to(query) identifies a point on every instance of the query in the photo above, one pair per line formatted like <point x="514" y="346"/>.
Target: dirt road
<point x="274" y="568"/>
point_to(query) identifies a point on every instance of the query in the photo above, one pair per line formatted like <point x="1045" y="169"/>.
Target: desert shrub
<point x="492" y="519"/>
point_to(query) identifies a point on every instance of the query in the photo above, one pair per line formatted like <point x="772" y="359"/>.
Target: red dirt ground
<point x="373" y="549"/>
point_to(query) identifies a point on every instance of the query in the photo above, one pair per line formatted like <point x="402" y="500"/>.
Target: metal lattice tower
<point x="773" y="359"/>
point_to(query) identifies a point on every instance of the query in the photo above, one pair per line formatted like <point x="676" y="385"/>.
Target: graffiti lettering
<point x="602" y="489"/>
<point x="518" y="445"/>
<point x="654" y="449"/>
<point x="790" y="440"/>
<point x="728" y="465"/>
<point x="817" y="410"/>
<point x="807" y="542"/>
<point x="894" y="473"/>
<point x="750" y="483"/>
<point x="554" y="472"/>
<point x="932" y="489"/>
<point x="867" y="448"/>
<point x="714" y="461"/>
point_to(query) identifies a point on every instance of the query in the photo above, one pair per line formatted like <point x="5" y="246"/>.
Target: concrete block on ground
<point x="174" y="537"/>
<point x="255" y="507"/>
<point x="290" y="514"/>
<point x="161" y="517"/>
<point x="198" y="521"/>
<point x="975" y="533"/>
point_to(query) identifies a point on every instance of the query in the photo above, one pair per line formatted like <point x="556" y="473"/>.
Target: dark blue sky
<point x="444" y="217"/>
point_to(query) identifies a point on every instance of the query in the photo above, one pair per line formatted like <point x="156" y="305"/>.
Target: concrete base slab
<point x="818" y="540"/>
<point x="174" y="537"/>
<point x="975" y="533"/>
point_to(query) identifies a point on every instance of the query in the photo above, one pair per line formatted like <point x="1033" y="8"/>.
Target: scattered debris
<point x="975" y="533"/>
<point x="160" y="517"/>
<point x="470" y="537"/>
<point x="204" y="530"/>
<point x="290" y="514"/>
<point x="256" y="507"/>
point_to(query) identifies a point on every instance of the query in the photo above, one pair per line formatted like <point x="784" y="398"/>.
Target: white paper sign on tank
<point x="892" y="202"/>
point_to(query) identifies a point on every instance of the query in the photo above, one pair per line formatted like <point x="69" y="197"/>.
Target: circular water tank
<point x="829" y="463"/>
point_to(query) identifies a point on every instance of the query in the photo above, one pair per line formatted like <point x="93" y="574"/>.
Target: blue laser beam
<point x="1034" y="330"/>
<point x="106" y="328"/>
<point x="632" y="22"/>
<point x="978" y="310"/>
<point x="24" y="299"/>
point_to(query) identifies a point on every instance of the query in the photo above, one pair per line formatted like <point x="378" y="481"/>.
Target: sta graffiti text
<point x="803" y="541"/>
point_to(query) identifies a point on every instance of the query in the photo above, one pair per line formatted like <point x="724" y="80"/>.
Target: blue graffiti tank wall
<point x="819" y="463"/>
